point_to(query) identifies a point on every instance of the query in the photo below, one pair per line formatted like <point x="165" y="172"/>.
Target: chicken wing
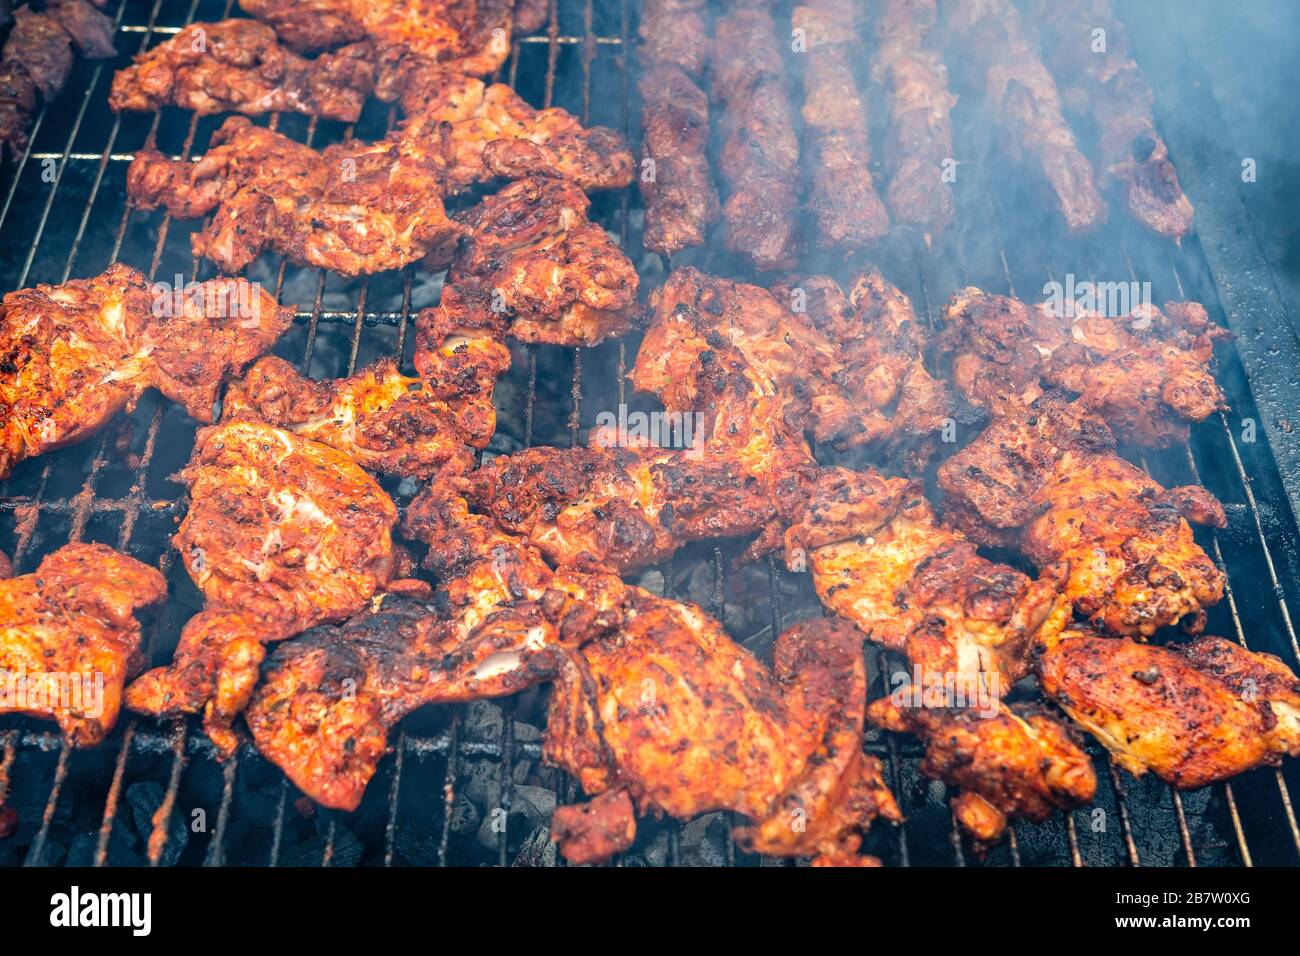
<point x="532" y="257"/>
<point x="1047" y="480"/>
<point x="1147" y="373"/>
<point x="879" y="558"/>
<point x="238" y="66"/>
<point x="1192" y="714"/>
<point x="669" y="710"/>
<point x="76" y="354"/>
<point x="69" y="638"/>
<point x="1020" y="762"/>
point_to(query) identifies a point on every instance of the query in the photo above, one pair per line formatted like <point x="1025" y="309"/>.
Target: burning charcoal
<point x="530" y="807"/>
<point x="704" y="841"/>
<point x="144" y="799"/>
<point x="482" y="722"/>
<point x="464" y="816"/>
<point x="480" y="782"/>
<point x="417" y="845"/>
<point x="538" y="849"/>
<point x="347" y="850"/>
<point x="122" y="848"/>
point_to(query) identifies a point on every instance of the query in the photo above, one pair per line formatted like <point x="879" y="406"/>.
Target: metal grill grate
<point x="65" y="214"/>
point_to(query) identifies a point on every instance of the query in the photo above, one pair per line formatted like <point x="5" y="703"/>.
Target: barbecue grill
<point x="463" y="784"/>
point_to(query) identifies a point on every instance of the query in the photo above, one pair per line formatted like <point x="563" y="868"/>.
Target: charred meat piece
<point x="1148" y="373"/>
<point x="668" y="709"/>
<point x="880" y="559"/>
<point x="238" y="66"/>
<point x="1023" y="100"/>
<point x="1192" y="714"/>
<point x="842" y="197"/>
<point x="468" y="36"/>
<point x="90" y="30"/>
<point x="915" y="81"/>
<point x="760" y="153"/>
<point x="37" y="58"/>
<point x="625" y="503"/>
<point x="532" y="257"/>
<point x="385" y="421"/>
<point x="1019" y="762"/>
<point x="499" y="623"/>
<point x="1047" y="480"/>
<point x="857" y="357"/>
<point x="681" y="202"/>
<point x="484" y="130"/>
<point x="1107" y="89"/>
<point x="69" y="635"/>
<point x="76" y="354"/>
<point x="282" y="533"/>
<point x="352" y="208"/>
<point x="284" y="529"/>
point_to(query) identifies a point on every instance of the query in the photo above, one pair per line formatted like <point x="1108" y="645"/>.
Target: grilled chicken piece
<point x="759" y="161"/>
<point x="385" y="421"/>
<point x="1147" y="373"/>
<point x="239" y="66"/>
<point x="37" y="58"/>
<point x="856" y="358"/>
<point x="1021" y="762"/>
<point x="915" y="81"/>
<point x="880" y="559"/>
<point x="69" y="635"/>
<point x="352" y="208"/>
<point x="1193" y="714"/>
<point x="282" y="533"/>
<point x="467" y="36"/>
<point x="842" y="197"/>
<point x="734" y="467"/>
<point x="6" y="566"/>
<point x="669" y="710"/>
<point x="681" y="202"/>
<point x="484" y="130"/>
<point x="531" y="256"/>
<point x="1048" y="480"/>
<point x="1106" y="88"/>
<point x="76" y="354"/>
<point x="1024" y="102"/>
<point x="499" y="624"/>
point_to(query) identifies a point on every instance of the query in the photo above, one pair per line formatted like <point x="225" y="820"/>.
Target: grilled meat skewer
<point x="1106" y="87"/>
<point x="1023" y="100"/>
<point x="842" y="197"/>
<point x="920" y="126"/>
<point x="759" y="161"/>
